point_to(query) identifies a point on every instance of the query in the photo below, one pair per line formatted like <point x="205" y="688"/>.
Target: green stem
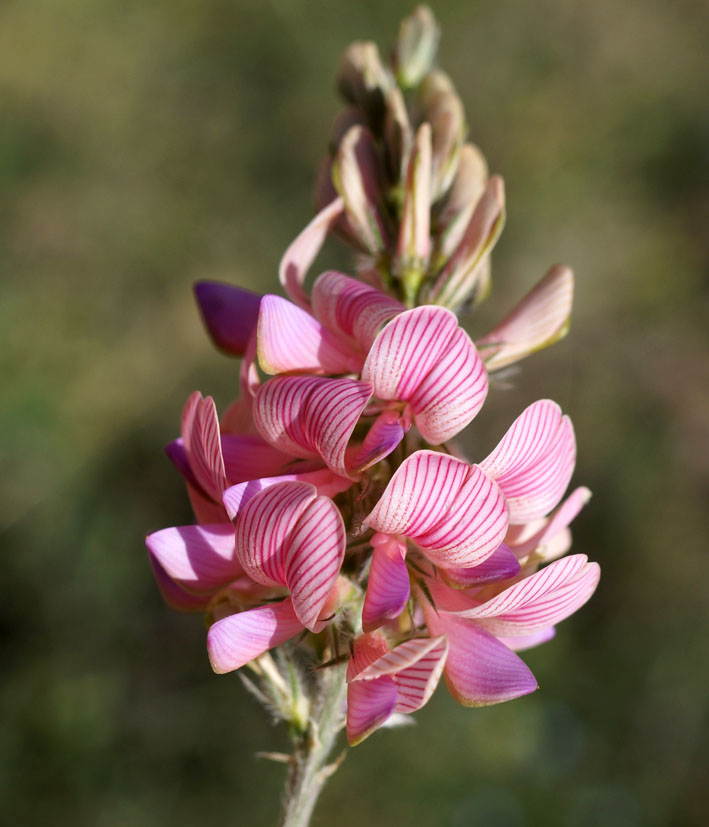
<point x="309" y="770"/>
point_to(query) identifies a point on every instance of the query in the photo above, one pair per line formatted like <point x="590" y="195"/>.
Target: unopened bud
<point x="443" y="109"/>
<point x="416" y="46"/>
<point x="363" y="80"/>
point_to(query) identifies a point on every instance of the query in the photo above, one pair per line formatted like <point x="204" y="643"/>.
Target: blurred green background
<point x="144" y="145"/>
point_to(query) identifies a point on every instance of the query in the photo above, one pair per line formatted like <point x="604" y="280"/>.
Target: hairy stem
<point x="309" y="769"/>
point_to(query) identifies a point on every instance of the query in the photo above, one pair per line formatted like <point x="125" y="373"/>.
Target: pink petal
<point x="453" y="393"/>
<point x="501" y="565"/>
<point x="352" y="309"/>
<point x="248" y="456"/>
<point x="206" y="511"/>
<point x="311" y="416"/>
<point x="534" y="461"/>
<point x="453" y="511"/>
<point x="229" y="313"/>
<point x="356" y="174"/>
<point x="290" y="339"/>
<point x="313" y="557"/>
<point x="480" y="670"/>
<point x="202" y="443"/>
<point x="239" y="638"/>
<point x="520" y="643"/>
<point x="200" y="558"/>
<point x="539" y="320"/>
<point x="369" y="704"/>
<point x="421" y="491"/>
<point x="402" y="657"/>
<point x="300" y="255"/>
<point x="388" y="583"/>
<point x="540" y="600"/>
<point x="424" y="358"/>
<point x="524" y="543"/>
<point x="384" y="435"/>
<point x="264" y="527"/>
<point x="176" y="597"/>
<point x="416" y="683"/>
<point x="325" y="481"/>
<point x="366" y="650"/>
<point x="458" y="279"/>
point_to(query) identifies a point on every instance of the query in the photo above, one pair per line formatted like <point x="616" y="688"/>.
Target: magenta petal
<point x="384" y="435"/>
<point x="388" y="585"/>
<point x="541" y="600"/>
<point x="175" y="596"/>
<point x="300" y="255"/>
<point x="199" y="557"/>
<point x="351" y="309"/>
<point x="520" y="643"/>
<point x="248" y="456"/>
<point x="453" y="511"/>
<point x="229" y="313"/>
<point x="369" y="704"/>
<point x="501" y="565"/>
<point x="264" y="527"/>
<point x="176" y="453"/>
<point x="424" y="358"/>
<point x="290" y="339"/>
<point x="313" y="557"/>
<point x="326" y="482"/>
<point x="239" y="638"/>
<point x="480" y="670"/>
<point x="202" y="443"/>
<point x="534" y="461"/>
<point x="416" y="683"/>
<point x="311" y="416"/>
<point x="552" y="527"/>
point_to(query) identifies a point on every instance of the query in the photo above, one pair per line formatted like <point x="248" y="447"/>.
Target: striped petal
<point x="416" y="683"/>
<point x="202" y="443"/>
<point x="229" y="313"/>
<point x="388" y="584"/>
<point x="369" y="704"/>
<point x="534" y="461"/>
<point x="326" y="483"/>
<point x="290" y="339"/>
<point x="385" y="434"/>
<point x="459" y="278"/>
<point x="540" y="600"/>
<point x="264" y="528"/>
<point x="198" y="557"/>
<point x="453" y="511"/>
<point x="539" y="320"/>
<point x="480" y="670"/>
<point x="311" y="416"/>
<point x="500" y="565"/>
<point x="301" y="253"/>
<point x="313" y="557"/>
<point x="424" y="358"/>
<point x="351" y="309"/>
<point x="239" y="638"/>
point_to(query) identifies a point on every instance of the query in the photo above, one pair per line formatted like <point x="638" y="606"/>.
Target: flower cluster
<point x="329" y="499"/>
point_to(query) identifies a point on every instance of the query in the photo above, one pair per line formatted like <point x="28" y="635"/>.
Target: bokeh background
<point x="144" y="145"/>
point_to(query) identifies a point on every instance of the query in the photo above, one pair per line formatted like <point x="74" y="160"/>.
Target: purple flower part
<point x="230" y="314"/>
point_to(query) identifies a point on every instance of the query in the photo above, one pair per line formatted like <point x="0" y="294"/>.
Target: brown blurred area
<point x="147" y="145"/>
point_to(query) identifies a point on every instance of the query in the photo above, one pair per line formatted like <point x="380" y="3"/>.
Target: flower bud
<point x="442" y="108"/>
<point x="357" y="176"/>
<point x="416" y="46"/>
<point x="363" y="80"/>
